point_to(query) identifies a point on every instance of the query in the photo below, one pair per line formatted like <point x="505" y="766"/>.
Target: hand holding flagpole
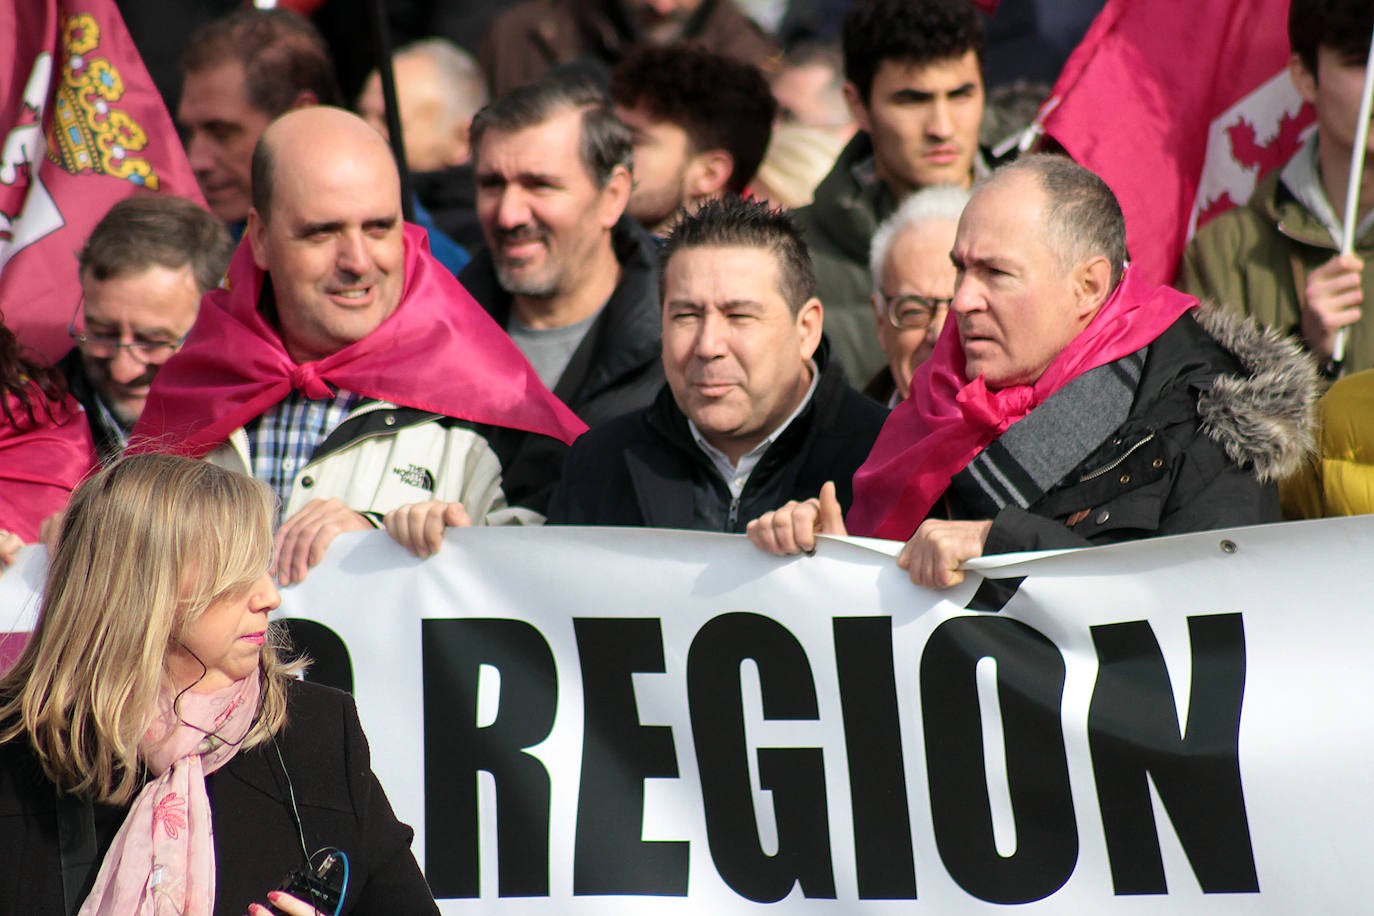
<point x="1352" y="189"/>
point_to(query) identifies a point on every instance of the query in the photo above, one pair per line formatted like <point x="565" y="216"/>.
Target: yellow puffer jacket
<point x="1340" y="480"/>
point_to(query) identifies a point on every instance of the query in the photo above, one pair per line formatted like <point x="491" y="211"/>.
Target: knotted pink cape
<point x="948" y="420"/>
<point x="439" y="351"/>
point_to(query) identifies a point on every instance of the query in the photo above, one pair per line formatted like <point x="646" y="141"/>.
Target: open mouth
<point x="521" y="249"/>
<point x="352" y="296"/>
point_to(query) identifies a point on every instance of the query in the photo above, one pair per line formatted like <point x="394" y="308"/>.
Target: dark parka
<point x="617" y="367"/>
<point x="1222" y="412"/>
<point x="645" y="469"/>
<point x="838" y="225"/>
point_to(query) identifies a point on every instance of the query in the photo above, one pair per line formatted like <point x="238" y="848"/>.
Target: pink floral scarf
<point x="162" y="860"/>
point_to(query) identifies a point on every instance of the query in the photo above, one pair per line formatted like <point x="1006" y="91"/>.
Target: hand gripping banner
<point x="626" y="721"/>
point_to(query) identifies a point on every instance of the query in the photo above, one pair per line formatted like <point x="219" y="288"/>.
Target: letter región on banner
<point x="673" y="722"/>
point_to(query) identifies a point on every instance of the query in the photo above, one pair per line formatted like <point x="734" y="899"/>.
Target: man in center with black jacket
<point x="753" y="410"/>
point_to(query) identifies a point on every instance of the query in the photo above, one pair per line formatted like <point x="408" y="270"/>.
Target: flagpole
<point x="381" y="50"/>
<point x="1352" y="188"/>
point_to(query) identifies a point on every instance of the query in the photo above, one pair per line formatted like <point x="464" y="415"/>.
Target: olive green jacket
<point x="848" y="205"/>
<point x="1256" y="259"/>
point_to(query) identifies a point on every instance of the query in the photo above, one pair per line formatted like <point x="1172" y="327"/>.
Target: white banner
<point x="619" y="721"/>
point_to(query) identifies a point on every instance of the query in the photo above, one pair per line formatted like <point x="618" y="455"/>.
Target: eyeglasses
<point x="103" y="346"/>
<point x="910" y="312"/>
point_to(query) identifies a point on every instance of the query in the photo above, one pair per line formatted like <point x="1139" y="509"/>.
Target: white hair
<point x="464" y="88"/>
<point x="941" y="203"/>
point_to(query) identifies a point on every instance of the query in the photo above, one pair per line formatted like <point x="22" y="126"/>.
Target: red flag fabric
<point x="439" y="351"/>
<point x="41" y="460"/>
<point x="83" y="127"/>
<point x="1180" y="107"/>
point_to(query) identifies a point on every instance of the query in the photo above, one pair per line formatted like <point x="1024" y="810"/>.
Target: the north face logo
<point x="416" y="476"/>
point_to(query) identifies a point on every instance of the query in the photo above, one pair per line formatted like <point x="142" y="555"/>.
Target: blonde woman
<point x="156" y="755"/>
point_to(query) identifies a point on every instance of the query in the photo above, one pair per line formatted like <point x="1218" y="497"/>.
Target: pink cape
<point x="439" y="351"/>
<point x="948" y="420"/>
<point x="41" y="462"/>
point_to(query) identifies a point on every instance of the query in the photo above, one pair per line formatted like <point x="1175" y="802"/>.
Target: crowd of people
<point x="663" y="272"/>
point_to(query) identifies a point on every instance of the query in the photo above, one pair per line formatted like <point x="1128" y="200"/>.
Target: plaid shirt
<point x="283" y="440"/>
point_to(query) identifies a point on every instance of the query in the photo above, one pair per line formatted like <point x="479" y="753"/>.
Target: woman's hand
<point x="285" y="903"/>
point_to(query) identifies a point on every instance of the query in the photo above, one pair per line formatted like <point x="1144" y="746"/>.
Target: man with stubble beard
<point x="571" y="277"/>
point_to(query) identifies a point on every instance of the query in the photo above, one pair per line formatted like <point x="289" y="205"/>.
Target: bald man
<point x="343" y="366"/>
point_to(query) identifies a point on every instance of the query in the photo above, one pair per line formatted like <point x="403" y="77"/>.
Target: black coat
<point x="341" y="804"/>
<point x="645" y="469"/>
<point x="1207" y="434"/>
<point x="616" y="368"/>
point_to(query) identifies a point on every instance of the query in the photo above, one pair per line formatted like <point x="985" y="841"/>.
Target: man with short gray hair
<point x="913" y="284"/>
<point x="1077" y="405"/>
<point x="439" y="87"/>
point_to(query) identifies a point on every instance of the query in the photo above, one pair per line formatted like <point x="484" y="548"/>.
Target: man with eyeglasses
<point x="754" y="411"/>
<point x="913" y="285"/>
<point x="143" y="271"/>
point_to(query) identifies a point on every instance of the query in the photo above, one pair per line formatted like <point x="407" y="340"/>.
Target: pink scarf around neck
<point x="949" y="420"/>
<point x="162" y="860"/>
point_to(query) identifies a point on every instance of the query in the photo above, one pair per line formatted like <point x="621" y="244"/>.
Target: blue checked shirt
<point x="284" y="439"/>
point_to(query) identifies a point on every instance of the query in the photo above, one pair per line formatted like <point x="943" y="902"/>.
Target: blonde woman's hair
<point x="146" y="545"/>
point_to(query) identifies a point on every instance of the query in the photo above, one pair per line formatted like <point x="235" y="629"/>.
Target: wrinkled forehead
<point x="1007" y="201"/>
<point x="547" y="144"/>
<point x="722" y="274"/>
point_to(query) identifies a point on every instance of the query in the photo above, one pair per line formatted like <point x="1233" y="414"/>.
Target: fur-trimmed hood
<point x="1266" y="419"/>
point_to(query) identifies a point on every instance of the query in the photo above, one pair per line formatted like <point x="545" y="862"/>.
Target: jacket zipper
<point x="1129" y="452"/>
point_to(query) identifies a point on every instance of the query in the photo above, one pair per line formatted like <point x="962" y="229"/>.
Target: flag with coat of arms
<point x="81" y="127"/>
<point x="1180" y="107"/>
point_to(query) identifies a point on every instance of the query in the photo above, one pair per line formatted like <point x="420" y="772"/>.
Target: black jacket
<point x="1222" y="411"/>
<point x="616" y="368"/>
<point x="645" y="469"/>
<point x="108" y="443"/>
<point x="341" y="804"/>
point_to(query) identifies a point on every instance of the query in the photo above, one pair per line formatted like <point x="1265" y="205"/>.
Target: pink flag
<point x="1181" y="107"/>
<point x="82" y="127"/>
